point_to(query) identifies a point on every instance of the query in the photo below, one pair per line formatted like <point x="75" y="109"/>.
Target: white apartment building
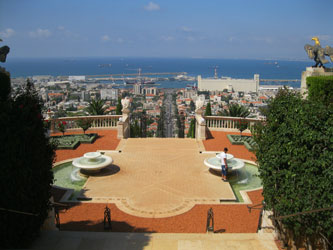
<point x="236" y="85"/>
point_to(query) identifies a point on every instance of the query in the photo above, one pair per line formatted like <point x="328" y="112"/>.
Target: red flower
<point x="21" y="106"/>
<point x="64" y="123"/>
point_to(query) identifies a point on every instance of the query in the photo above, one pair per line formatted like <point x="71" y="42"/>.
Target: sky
<point x="247" y="29"/>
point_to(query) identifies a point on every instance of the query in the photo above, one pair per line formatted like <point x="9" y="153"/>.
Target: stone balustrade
<point x="227" y="123"/>
<point x="98" y="121"/>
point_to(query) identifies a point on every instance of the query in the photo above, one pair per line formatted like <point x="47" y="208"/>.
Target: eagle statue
<point x="317" y="53"/>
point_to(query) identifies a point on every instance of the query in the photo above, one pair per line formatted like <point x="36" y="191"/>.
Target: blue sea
<point x="235" y="68"/>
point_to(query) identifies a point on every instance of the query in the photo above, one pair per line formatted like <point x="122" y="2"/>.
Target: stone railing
<point x="227" y="123"/>
<point x="98" y="121"/>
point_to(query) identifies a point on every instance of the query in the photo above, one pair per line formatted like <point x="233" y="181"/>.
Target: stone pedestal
<point x="123" y="125"/>
<point x="312" y="72"/>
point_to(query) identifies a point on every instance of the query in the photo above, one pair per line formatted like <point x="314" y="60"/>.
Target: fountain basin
<point x="92" y="162"/>
<point x="215" y="163"/>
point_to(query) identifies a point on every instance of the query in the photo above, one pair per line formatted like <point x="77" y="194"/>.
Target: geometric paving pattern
<point x="156" y="178"/>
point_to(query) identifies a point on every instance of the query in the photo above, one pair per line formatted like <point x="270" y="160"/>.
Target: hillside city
<point x="156" y="112"/>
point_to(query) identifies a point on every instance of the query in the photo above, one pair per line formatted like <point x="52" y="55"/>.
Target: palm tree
<point x="236" y="110"/>
<point x="96" y="107"/>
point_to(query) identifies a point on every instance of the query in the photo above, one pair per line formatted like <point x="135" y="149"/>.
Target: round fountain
<point x="236" y="167"/>
<point x="215" y="163"/>
<point x="92" y="162"/>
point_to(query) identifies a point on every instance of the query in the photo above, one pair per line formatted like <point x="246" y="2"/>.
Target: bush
<point x="295" y="155"/>
<point x="320" y="88"/>
<point x="26" y="157"/>
<point x="62" y="127"/>
<point x="85" y="124"/>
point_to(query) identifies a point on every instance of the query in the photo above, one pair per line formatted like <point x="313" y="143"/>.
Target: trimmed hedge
<point x="247" y="141"/>
<point x="320" y="88"/>
<point x="73" y="141"/>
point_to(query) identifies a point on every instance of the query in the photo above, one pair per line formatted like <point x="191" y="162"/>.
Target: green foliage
<point x="26" y="157"/>
<point x="61" y="126"/>
<point x="119" y="107"/>
<point x="295" y="155"/>
<point x="320" y="88"/>
<point x="5" y="84"/>
<point x="85" y="124"/>
<point x="235" y="110"/>
<point x="226" y="98"/>
<point x="208" y="111"/>
<point x="192" y="105"/>
<point x="191" y="131"/>
<point x="206" y="93"/>
<point x="181" y="126"/>
<point x="60" y="113"/>
<point x="242" y="125"/>
<point x="96" y="107"/>
<point x="247" y="141"/>
<point x="160" y="124"/>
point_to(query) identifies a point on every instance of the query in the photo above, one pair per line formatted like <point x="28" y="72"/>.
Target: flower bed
<point x="73" y="141"/>
<point x="247" y="141"/>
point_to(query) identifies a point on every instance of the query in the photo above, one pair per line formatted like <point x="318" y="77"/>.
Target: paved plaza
<point x="157" y="178"/>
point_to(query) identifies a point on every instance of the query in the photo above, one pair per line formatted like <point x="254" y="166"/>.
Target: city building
<point x="149" y="90"/>
<point x="137" y="88"/>
<point x="228" y="83"/>
<point x="109" y="94"/>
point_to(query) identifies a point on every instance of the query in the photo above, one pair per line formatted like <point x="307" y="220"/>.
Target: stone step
<point x="152" y="241"/>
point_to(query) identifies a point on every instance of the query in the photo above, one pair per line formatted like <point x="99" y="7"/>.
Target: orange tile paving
<point x="107" y="140"/>
<point x="229" y="218"/>
<point x="218" y="141"/>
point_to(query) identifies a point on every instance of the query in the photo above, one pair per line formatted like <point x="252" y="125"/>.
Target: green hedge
<point x="247" y="141"/>
<point x="295" y="155"/>
<point x="73" y="141"/>
<point x="26" y="157"/>
<point x="320" y="88"/>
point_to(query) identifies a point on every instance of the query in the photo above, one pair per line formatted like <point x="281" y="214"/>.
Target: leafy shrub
<point x="26" y="157"/>
<point x="85" y="124"/>
<point x="295" y="155"/>
<point x="320" y="88"/>
<point x="62" y="127"/>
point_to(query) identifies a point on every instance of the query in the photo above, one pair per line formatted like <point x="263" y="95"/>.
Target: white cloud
<point x="167" y="38"/>
<point x="119" y="40"/>
<point x="105" y="38"/>
<point x="61" y="27"/>
<point x="7" y="33"/>
<point x="190" y="38"/>
<point x="40" y="33"/>
<point x="152" y="6"/>
<point x="186" y="29"/>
